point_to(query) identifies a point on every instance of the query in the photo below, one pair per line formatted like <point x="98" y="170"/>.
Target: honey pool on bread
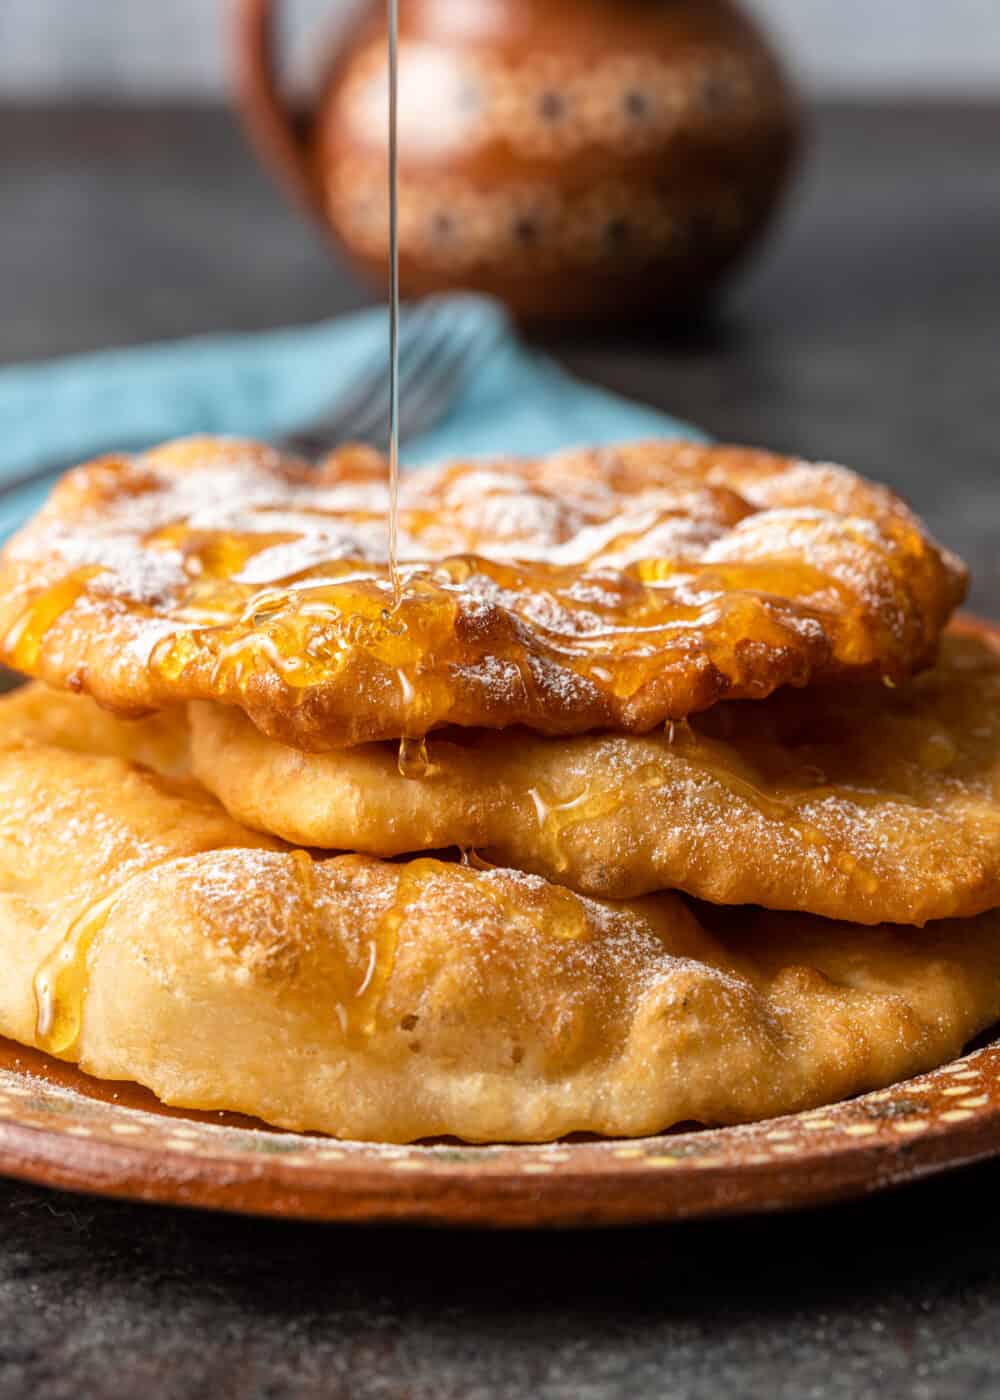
<point x="594" y="590"/>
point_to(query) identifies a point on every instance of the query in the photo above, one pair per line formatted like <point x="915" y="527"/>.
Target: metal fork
<point x="436" y="355"/>
<point x="434" y="360"/>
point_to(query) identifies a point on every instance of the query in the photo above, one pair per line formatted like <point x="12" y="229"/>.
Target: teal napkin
<point x="55" y="414"/>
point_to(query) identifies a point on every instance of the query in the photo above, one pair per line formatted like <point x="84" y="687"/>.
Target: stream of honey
<point x="413" y="759"/>
<point x="393" y="19"/>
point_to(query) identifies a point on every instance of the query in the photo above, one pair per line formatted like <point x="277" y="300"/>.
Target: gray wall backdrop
<point x="124" y="49"/>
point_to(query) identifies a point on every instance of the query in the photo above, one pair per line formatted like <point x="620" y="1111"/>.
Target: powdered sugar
<point x="126" y="569"/>
<point x="619" y="587"/>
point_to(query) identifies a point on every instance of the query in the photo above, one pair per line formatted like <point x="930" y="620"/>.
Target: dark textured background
<point x="54" y="49"/>
<point x="870" y="333"/>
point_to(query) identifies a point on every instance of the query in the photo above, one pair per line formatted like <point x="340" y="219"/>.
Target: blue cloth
<point x="55" y="414"/>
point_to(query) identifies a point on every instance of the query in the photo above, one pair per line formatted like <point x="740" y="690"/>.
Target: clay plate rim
<point x="63" y="1129"/>
<point x="60" y="1129"/>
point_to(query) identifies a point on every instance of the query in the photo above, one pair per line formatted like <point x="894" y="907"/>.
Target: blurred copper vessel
<point x="580" y="159"/>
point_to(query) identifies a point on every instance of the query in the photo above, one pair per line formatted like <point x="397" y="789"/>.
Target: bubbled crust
<point x="394" y="1002"/>
<point x="603" y="589"/>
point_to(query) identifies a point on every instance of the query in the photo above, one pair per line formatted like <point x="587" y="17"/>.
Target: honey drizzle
<point x="563" y="913"/>
<point x="62" y="978"/>
<point x="305" y="876"/>
<point x="559" y="913"/>
<point x="24" y="639"/>
<point x="414" y="760"/>
<point x="359" y="1017"/>
<point x="60" y="983"/>
<point x="555" y="819"/>
<point x="305" y="627"/>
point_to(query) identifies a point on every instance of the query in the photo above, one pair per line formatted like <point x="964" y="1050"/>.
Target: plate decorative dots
<point x="60" y="1128"/>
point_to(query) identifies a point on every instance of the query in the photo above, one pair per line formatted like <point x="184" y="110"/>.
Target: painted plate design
<point x="60" y="1128"/>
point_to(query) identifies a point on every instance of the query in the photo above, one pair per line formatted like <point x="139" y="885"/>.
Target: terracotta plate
<point x="61" y="1128"/>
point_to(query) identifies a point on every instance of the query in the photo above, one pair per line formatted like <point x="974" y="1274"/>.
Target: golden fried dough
<point x="861" y="803"/>
<point x="146" y="936"/>
<point x="612" y="589"/>
<point x="34" y="714"/>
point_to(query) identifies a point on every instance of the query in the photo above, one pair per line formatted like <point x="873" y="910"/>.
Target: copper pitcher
<point x="580" y="159"/>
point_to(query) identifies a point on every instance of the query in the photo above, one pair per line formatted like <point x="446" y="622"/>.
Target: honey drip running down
<point x="61" y="980"/>
<point x="558" y="913"/>
<point x="359" y="1014"/>
<point x="414" y="759"/>
<point x="557" y="817"/>
<point x="24" y="640"/>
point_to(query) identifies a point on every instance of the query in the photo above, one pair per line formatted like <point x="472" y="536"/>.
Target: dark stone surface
<point x="895" y="1297"/>
<point x="869" y="332"/>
